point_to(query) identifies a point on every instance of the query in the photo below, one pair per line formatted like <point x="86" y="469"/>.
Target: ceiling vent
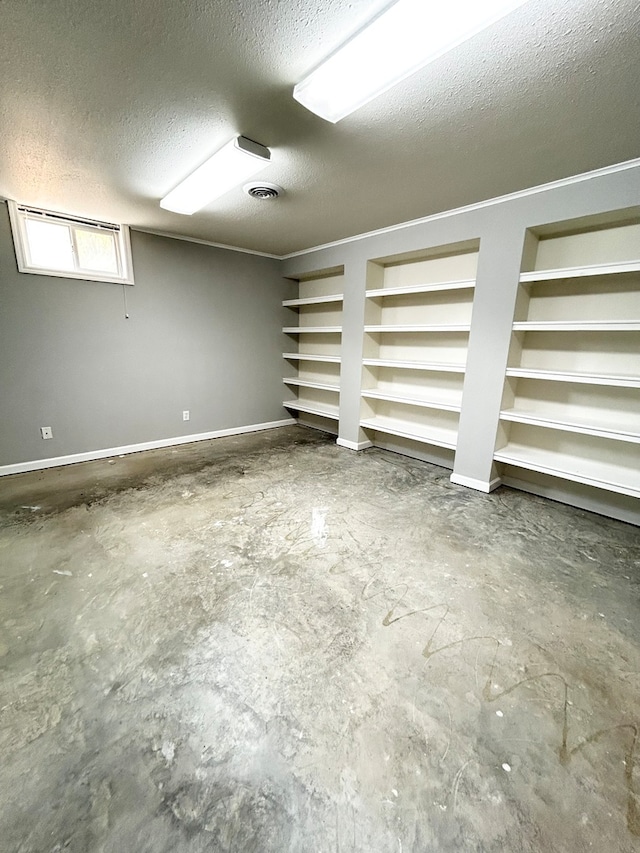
<point x="263" y="190"/>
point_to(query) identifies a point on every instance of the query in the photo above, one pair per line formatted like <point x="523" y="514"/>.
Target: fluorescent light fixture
<point x="402" y="39"/>
<point x="233" y="164"/>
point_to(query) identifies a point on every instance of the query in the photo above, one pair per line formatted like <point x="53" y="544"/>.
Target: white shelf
<point x="588" y="426"/>
<point x="372" y="394"/>
<point x="602" y="475"/>
<point x="438" y="436"/>
<point x="433" y="327"/>
<point x="577" y="326"/>
<point x="313" y="408"/>
<point x="416" y="327"/>
<point x="580" y="272"/>
<point x="430" y="366"/>
<point x="308" y="383"/>
<point x="463" y="284"/>
<point x="304" y="356"/>
<point x="619" y="381"/>
<point x="580" y="306"/>
<point x="312" y="300"/>
<point x="312" y="330"/>
<point x="316" y="382"/>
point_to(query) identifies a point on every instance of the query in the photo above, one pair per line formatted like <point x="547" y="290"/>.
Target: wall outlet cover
<point x="46" y="432"/>
<point x="186" y="415"/>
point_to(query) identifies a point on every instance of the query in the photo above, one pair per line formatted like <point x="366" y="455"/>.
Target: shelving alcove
<point x="313" y="356"/>
<point x="570" y="416"/>
<point x="417" y="322"/>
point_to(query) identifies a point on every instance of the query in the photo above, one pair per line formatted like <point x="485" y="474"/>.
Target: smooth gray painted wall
<point x="204" y="334"/>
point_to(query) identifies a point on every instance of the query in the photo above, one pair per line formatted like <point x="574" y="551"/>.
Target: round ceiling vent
<point x="263" y="190"/>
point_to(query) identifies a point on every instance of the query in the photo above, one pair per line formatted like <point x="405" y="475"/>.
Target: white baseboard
<point x="478" y="485"/>
<point x="90" y="455"/>
<point x="353" y="445"/>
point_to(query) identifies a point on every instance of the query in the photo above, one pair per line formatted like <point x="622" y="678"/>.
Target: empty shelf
<point x="306" y="356"/>
<point x="568" y="376"/>
<point x="438" y="436"/>
<point x="463" y="284"/>
<point x="587" y="426"/>
<point x="308" y="383"/>
<point x="577" y="326"/>
<point x="580" y="272"/>
<point x="591" y="472"/>
<point x="312" y="330"/>
<point x="433" y="366"/>
<point x="444" y="405"/>
<point x="432" y="327"/>
<point x="313" y="408"/>
<point x="312" y="300"/>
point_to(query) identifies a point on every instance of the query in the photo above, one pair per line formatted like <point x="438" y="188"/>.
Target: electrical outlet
<point x="186" y="415"/>
<point x="46" y="432"/>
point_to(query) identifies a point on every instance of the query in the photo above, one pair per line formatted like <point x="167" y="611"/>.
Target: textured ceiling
<point x="104" y="107"/>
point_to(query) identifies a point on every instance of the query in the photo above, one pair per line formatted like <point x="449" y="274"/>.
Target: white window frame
<point x="19" y="213"/>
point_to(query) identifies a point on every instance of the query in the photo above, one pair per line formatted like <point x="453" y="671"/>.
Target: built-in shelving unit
<point x="417" y="323"/>
<point x="571" y="404"/>
<point x="314" y="357"/>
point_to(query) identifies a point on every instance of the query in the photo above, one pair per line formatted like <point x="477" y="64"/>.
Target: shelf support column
<point x="353" y="317"/>
<point x="496" y="291"/>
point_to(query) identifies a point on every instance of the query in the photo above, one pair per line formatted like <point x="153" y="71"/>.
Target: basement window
<point x="49" y="243"/>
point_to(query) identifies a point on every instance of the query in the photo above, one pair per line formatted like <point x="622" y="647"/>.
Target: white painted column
<point x="489" y="341"/>
<point x="353" y="315"/>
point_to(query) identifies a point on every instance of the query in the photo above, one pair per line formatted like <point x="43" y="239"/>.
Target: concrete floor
<point x="268" y="643"/>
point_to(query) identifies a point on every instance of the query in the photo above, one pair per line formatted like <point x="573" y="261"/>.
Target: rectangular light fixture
<point x="233" y="164"/>
<point x="402" y="39"/>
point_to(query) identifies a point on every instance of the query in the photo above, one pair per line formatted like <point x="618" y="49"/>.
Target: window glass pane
<point x="96" y="251"/>
<point x="49" y="245"/>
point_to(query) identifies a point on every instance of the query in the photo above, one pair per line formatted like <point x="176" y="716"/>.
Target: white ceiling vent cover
<point x="263" y="190"/>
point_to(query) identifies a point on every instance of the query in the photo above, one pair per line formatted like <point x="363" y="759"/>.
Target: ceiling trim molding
<point x="561" y="182"/>
<point x="206" y="243"/>
<point x="4" y="200"/>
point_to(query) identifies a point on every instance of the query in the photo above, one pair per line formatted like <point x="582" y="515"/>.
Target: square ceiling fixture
<point x="402" y="39"/>
<point x="233" y="164"/>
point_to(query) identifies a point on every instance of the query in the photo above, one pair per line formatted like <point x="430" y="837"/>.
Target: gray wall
<point x="204" y="334"/>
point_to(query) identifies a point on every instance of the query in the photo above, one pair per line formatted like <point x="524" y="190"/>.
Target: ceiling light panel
<point x="232" y="165"/>
<point x="401" y="40"/>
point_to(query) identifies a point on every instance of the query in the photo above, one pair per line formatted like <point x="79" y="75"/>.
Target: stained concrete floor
<point x="269" y="643"/>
